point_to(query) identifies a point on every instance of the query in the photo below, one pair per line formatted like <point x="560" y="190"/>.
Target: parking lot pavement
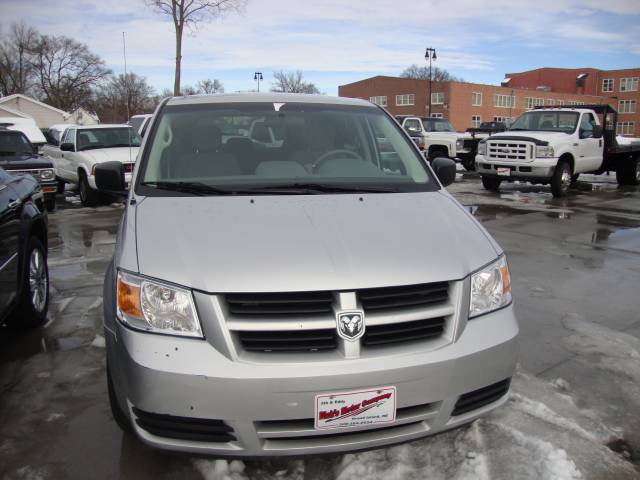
<point x="573" y="413"/>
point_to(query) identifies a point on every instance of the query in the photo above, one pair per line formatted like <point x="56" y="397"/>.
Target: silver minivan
<point x="318" y="292"/>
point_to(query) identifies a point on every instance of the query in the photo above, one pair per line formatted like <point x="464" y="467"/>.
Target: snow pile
<point x="220" y="469"/>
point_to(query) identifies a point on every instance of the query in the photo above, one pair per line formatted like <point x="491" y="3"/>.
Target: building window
<point x="627" y="106"/>
<point x="380" y="100"/>
<point x="561" y="102"/>
<point x="504" y="101"/>
<point x="476" y="99"/>
<point x="607" y="85"/>
<point x="550" y="101"/>
<point x="625" y="128"/>
<point x="500" y="118"/>
<point x="406" y="99"/>
<point x="437" y="98"/>
<point x="531" y="102"/>
<point x="629" y="84"/>
<point x="436" y="115"/>
<point x="476" y="121"/>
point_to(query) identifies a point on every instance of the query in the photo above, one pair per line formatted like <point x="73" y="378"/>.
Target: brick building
<point x="463" y="104"/>
<point x="621" y="86"/>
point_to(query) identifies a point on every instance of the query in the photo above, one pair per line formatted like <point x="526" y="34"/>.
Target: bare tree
<point x="209" y="86"/>
<point x="66" y="71"/>
<point x="188" y="90"/>
<point x="292" y="82"/>
<point x="16" y="50"/>
<point x="189" y="13"/>
<point x="122" y="96"/>
<point x="422" y="73"/>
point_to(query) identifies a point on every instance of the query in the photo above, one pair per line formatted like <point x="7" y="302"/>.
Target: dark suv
<point x="24" y="276"/>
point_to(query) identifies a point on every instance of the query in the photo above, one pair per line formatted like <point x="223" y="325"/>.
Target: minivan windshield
<point x="281" y="148"/>
<point x="437" y="125"/>
<point x="542" y="121"/>
<point x="91" y="138"/>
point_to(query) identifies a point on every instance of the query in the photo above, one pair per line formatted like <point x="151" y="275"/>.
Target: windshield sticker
<point x="277" y="106"/>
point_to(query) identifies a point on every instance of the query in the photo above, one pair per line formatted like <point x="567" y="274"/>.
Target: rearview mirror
<point x="66" y="147"/>
<point x="110" y="178"/>
<point x="445" y="170"/>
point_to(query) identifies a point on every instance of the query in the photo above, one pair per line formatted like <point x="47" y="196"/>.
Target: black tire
<point x="118" y="415"/>
<point x="61" y="185"/>
<point x="491" y="183"/>
<point x="561" y="180"/>
<point x="469" y="165"/>
<point x="31" y="310"/>
<point x="88" y="196"/>
<point x="574" y="179"/>
<point x="629" y="172"/>
<point x="437" y="152"/>
<point x="50" y="204"/>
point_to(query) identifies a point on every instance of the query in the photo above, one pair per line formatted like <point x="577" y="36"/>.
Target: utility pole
<point x="258" y="77"/>
<point x="430" y="54"/>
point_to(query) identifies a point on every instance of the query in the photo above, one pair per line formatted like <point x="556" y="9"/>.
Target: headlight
<point x="154" y="306"/>
<point x="459" y="144"/>
<point x="544" y="151"/>
<point x="47" y="174"/>
<point x="482" y="148"/>
<point x="490" y="288"/>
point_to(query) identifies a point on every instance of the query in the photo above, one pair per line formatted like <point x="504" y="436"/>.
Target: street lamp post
<point x="430" y="54"/>
<point x="258" y="77"/>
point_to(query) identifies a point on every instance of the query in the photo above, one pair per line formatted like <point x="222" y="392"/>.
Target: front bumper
<point x="270" y="406"/>
<point x="540" y="168"/>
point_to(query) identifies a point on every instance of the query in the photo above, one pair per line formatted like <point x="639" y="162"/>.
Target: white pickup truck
<point x="84" y="147"/>
<point x="553" y="145"/>
<point x="435" y="136"/>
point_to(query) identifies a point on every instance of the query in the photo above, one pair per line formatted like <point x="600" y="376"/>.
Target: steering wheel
<point x="332" y="153"/>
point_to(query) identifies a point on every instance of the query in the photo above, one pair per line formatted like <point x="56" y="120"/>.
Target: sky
<point x="335" y="42"/>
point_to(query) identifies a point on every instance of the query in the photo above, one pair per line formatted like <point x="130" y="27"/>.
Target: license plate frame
<point x="504" y="172"/>
<point x="355" y="408"/>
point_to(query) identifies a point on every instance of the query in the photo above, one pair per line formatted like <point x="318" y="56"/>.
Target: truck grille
<point x="305" y="322"/>
<point x="469" y="143"/>
<point x="388" y="298"/>
<point x="508" y="150"/>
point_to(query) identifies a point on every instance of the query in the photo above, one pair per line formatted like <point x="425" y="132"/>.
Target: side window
<point x="412" y="125"/>
<point x="586" y="125"/>
<point x="69" y="136"/>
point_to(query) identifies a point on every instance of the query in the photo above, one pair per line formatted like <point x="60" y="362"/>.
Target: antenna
<point x="126" y="85"/>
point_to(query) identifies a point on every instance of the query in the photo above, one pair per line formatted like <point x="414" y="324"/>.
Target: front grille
<point x="288" y="341"/>
<point x="469" y="143"/>
<point x="377" y="335"/>
<point x="481" y="397"/>
<point x="509" y="150"/>
<point x="184" y="428"/>
<point x="280" y="304"/>
<point x="411" y="296"/>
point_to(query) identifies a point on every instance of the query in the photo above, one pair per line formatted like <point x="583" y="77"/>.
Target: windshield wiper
<point x="123" y="145"/>
<point x="310" y="187"/>
<point x="194" y="188"/>
<point x="90" y="147"/>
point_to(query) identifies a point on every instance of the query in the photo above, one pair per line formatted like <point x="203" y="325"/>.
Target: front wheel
<point x="34" y="296"/>
<point x="629" y="172"/>
<point x="491" y="183"/>
<point x="561" y="180"/>
<point x="61" y="185"/>
<point x="88" y="196"/>
<point x="50" y="203"/>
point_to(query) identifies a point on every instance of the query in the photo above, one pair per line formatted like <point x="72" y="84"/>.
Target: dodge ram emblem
<point x="350" y="324"/>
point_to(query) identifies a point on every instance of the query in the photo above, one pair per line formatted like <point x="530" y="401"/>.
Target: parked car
<point x="24" y="276"/>
<point x="439" y="139"/>
<point x="51" y="149"/>
<point x="553" y="145"/>
<point x="476" y="135"/>
<point x="140" y="123"/>
<point x="27" y="126"/>
<point x="84" y="147"/>
<point x="281" y="301"/>
<point x="18" y="156"/>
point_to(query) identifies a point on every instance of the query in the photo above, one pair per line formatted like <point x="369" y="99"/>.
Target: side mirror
<point x="445" y="169"/>
<point x="110" y="178"/>
<point x="66" y="147"/>
<point x="597" y="131"/>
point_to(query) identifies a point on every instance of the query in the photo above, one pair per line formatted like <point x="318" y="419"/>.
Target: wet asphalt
<point x="577" y="257"/>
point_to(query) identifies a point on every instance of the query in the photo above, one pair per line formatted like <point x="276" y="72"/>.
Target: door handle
<point x="14" y="203"/>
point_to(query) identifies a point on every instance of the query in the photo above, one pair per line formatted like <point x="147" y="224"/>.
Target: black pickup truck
<point x="486" y="129"/>
<point x="18" y="155"/>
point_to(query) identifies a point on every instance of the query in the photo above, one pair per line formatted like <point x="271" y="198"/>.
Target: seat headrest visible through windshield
<point x="206" y="138"/>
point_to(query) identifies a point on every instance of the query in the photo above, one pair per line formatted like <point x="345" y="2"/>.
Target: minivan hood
<point x="315" y="242"/>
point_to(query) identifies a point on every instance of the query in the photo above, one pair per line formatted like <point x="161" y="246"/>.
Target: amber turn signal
<point x="129" y="299"/>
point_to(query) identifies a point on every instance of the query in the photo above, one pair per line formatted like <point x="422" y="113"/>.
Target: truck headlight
<point x="490" y="288"/>
<point x="544" y="151"/>
<point x="154" y="306"/>
<point x="459" y="144"/>
<point x="482" y="148"/>
<point x="47" y="174"/>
